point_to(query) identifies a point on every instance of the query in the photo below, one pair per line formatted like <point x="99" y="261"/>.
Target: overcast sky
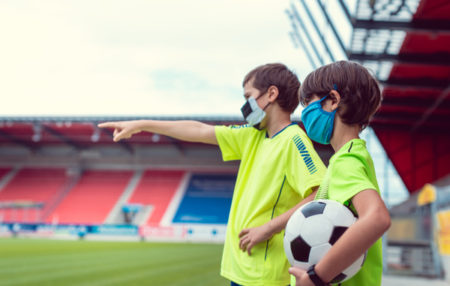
<point x="155" y="57"/>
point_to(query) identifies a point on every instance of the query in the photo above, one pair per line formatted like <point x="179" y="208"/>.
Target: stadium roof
<point x="82" y="133"/>
<point x="407" y="45"/>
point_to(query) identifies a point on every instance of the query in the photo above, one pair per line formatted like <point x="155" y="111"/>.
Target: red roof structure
<point x="407" y="46"/>
<point x="413" y="123"/>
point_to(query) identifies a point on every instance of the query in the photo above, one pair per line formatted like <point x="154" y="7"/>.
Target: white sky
<point x="137" y="57"/>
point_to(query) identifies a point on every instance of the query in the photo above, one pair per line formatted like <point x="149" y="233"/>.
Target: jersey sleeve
<point x="232" y="140"/>
<point x="349" y="176"/>
<point x="305" y="170"/>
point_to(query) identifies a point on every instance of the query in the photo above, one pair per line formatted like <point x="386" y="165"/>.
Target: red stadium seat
<point x="157" y="188"/>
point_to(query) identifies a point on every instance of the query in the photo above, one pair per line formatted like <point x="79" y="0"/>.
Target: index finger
<point x="243" y="232"/>
<point x="107" y="125"/>
<point x="249" y="249"/>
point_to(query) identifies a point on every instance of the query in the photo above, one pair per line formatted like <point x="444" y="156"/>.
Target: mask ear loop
<point x="262" y="93"/>
<point x="266" y="106"/>
<point x="335" y="87"/>
<point x="323" y="98"/>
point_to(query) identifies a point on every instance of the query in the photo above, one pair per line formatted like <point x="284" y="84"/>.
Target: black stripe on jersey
<point x="273" y="211"/>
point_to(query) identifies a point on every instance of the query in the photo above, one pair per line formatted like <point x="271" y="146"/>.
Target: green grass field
<point x="55" y="262"/>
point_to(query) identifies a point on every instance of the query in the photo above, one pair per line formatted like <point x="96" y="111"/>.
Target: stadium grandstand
<point x="60" y="175"/>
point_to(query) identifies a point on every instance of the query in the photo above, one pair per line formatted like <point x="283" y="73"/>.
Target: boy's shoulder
<point x="298" y="138"/>
<point x="237" y="126"/>
<point x="353" y="151"/>
<point x="236" y="130"/>
<point x="291" y="131"/>
<point x="350" y="171"/>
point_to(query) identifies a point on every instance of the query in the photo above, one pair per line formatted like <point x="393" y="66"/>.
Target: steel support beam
<point x="295" y="35"/>
<point x="318" y="31"/>
<point x="297" y="17"/>
<point x="122" y="143"/>
<point x="345" y="9"/>
<point x="403" y="126"/>
<point x="413" y="102"/>
<point x="332" y="26"/>
<point x="428" y="113"/>
<point x="415" y="25"/>
<point x="18" y="141"/>
<point x="61" y="137"/>
<point x="415" y="58"/>
<point x="421" y="82"/>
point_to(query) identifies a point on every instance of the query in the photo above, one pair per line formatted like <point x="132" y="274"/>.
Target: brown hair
<point x="359" y="90"/>
<point x="278" y="75"/>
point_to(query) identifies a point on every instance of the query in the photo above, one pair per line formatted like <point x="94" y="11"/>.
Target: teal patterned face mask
<point x="318" y="122"/>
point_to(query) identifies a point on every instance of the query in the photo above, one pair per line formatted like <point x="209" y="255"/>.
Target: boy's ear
<point x="273" y="93"/>
<point x="335" y="99"/>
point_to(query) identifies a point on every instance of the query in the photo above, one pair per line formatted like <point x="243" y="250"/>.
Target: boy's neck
<point x="343" y="133"/>
<point x="277" y="122"/>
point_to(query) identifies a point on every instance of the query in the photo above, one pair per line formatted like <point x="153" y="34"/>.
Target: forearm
<point x="186" y="130"/>
<point x="279" y="223"/>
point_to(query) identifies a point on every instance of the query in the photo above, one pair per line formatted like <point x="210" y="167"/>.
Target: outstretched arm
<point x="186" y="130"/>
<point x="249" y="237"/>
<point x="373" y="222"/>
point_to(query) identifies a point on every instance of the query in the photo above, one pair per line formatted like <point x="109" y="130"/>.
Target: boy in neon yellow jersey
<point x="279" y="168"/>
<point x="340" y="99"/>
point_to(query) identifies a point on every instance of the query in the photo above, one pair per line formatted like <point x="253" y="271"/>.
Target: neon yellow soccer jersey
<point x="351" y="171"/>
<point x="274" y="175"/>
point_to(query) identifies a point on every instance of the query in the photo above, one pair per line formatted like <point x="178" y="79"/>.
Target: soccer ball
<point x="313" y="229"/>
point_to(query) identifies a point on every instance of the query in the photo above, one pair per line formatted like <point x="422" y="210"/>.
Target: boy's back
<point x="350" y="171"/>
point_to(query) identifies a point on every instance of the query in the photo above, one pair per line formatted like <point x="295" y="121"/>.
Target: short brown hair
<point x="278" y="75"/>
<point x="359" y="90"/>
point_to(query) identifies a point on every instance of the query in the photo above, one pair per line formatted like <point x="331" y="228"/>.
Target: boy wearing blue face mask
<point x="340" y="99"/>
<point x="279" y="168"/>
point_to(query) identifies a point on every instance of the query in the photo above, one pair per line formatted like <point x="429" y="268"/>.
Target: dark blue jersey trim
<point x="290" y="124"/>
<point x="305" y="154"/>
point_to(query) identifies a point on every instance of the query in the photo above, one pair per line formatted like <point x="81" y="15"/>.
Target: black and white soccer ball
<point x="313" y="229"/>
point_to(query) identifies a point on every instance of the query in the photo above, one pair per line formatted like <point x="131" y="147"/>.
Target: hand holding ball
<point x="313" y="229"/>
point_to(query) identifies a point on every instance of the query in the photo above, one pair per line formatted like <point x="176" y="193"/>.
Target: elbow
<point x="386" y="222"/>
<point x="383" y="219"/>
<point x="380" y="220"/>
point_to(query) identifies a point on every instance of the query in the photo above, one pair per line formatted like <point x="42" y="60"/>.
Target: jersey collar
<point x="290" y="124"/>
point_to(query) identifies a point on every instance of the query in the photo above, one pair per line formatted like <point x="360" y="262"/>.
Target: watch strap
<point x="314" y="277"/>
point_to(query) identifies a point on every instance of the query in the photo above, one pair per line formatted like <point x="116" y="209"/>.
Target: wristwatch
<point x="314" y="277"/>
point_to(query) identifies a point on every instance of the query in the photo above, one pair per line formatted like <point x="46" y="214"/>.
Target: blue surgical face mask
<point x="318" y="122"/>
<point x="252" y="113"/>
